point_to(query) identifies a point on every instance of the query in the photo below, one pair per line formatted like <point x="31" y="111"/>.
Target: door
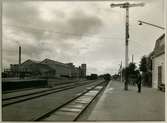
<point x="159" y="75"/>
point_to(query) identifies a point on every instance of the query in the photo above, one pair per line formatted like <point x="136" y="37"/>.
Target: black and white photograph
<point x="83" y="60"/>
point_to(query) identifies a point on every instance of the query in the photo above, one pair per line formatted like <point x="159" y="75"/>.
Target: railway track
<point x="71" y="110"/>
<point x="18" y="90"/>
<point x="34" y="91"/>
<point x="29" y="96"/>
<point x="24" y="89"/>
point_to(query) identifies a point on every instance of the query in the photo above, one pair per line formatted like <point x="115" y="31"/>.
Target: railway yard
<point x="86" y="61"/>
<point x="63" y="102"/>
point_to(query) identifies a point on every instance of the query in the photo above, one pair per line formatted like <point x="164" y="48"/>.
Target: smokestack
<point x="19" y="55"/>
<point x="132" y="58"/>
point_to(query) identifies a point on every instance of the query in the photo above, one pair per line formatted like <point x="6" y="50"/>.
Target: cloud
<point x="81" y="23"/>
<point x="79" y="32"/>
<point x="27" y="26"/>
<point x="20" y="13"/>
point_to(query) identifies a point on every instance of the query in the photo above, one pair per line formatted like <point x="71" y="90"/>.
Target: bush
<point x="107" y="77"/>
<point x="92" y="77"/>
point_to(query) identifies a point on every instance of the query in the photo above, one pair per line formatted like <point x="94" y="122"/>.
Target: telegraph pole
<point x="126" y="6"/>
<point x="19" y="65"/>
<point x="121" y="71"/>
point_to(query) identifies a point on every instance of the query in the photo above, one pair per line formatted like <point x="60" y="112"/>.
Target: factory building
<point x="83" y="70"/>
<point x="47" y="68"/>
<point x="62" y="70"/>
<point x="36" y="69"/>
<point x="74" y="71"/>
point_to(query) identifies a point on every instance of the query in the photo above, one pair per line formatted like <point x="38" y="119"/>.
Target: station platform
<point x="116" y="104"/>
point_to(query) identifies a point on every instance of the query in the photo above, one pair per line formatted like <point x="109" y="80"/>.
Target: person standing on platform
<point x="139" y="81"/>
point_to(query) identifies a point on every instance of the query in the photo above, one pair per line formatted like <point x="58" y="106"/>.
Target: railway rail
<point x="20" y="98"/>
<point x="32" y="88"/>
<point x="71" y="110"/>
<point x="31" y="91"/>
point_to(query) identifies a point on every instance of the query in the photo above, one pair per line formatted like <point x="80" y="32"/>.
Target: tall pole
<point x="126" y="47"/>
<point x="121" y="71"/>
<point x="126" y="6"/>
<point x="126" y="37"/>
<point x="19" y="55"/>
<point x="19" y="66"/>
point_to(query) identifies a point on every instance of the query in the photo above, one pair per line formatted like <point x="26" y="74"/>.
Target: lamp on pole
<point x="126" y="6"/>
<point x="141" y="22"/>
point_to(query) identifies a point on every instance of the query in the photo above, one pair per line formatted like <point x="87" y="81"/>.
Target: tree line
<point x="145" y="68"/>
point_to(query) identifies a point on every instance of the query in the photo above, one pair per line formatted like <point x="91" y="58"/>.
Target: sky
<point x="88" y="32"/>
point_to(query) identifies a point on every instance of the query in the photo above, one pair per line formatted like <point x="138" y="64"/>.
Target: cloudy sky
<point x="78" y="32"/>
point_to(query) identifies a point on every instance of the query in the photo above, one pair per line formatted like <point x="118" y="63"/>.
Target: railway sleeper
<point x="72" y="110"/>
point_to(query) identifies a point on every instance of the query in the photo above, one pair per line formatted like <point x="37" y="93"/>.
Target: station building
<point x="158" y="62"/>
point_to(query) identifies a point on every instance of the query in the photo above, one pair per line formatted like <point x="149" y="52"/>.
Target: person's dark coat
<point x="139" y="82"/>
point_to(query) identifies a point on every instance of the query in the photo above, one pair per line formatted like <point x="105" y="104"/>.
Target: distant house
<point x="158" y="62"/>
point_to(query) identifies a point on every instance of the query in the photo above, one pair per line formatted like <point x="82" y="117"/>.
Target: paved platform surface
<point x="116" y="104"/>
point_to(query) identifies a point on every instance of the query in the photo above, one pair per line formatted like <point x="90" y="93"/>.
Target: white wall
<point x="158" y="61"/>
